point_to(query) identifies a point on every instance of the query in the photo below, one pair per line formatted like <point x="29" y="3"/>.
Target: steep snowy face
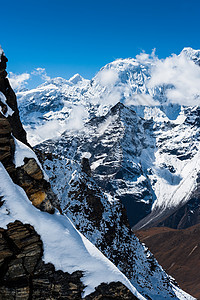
<point x="102" y="220"/>
<point x="175" y="166"/>
<point x="149" y="163"/>
<point x="192" y="54"/>
<point x="64" y="246"/>
<point x="51" y="103"/>
<point x="143" y="81"/>
<point x="57" y="101"/>
<point x="123" y="80"/>
<point x="114" y="144"/>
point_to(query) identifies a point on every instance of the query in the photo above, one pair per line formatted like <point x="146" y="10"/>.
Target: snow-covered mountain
<point x="101" y="218"/>
<point x="144" y="151"/>
<point x="135" y="127"/>
<point x="42" y="255"/>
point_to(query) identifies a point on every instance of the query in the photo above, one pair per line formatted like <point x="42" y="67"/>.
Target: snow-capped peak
<point x="76" y="78"/>
<point x="191" y="54"/>
<point x="57" y="81"/>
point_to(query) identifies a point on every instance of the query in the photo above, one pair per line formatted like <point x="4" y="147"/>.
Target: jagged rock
<point x="23" y="274"/>
<point x="32" y="169"/>
<point x="86" y="166"/>
<point x="6" y="146"/>
<point x="14" y="120"/>
<point x="114" y="290"/>
<point x="29" y="176"/>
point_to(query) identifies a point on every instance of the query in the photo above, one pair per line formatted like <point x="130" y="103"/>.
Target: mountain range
<point x="116" y="152"/>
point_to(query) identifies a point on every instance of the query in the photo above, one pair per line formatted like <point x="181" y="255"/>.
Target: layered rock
<point x="24" y="275"/>
<point x="29" y="176"/>
<point x="7" y="146"/>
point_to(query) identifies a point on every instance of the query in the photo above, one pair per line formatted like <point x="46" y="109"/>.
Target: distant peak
<point x="191" y="53"/>
<point x="57" y="81"/>
<point x="117" y="107"/>
<point x="76" y="78"/>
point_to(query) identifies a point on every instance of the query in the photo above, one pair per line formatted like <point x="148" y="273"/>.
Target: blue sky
<point x="68" y="37"/>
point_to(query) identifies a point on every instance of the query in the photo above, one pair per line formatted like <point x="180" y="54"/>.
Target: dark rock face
<point x="85" y="164"/>
<point x="114" y="290"/>
<point x="186" y="216"/>
<point x="14" y="120"/>
<point x="29" y="176"/>
<point x="105" y="224"/>
<point x="23" y="274"/>
<point x="7" y="146"/>
<point x="113" y="150"/>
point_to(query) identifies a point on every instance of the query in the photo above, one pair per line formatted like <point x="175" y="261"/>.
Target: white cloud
<point x="141" y="99"/>
<point x="55" y="128"/>
<point x="182" y="74"/>
<point x="41" y="72"/>
<point x="77" y="118"/>
<point x="18" y="81"/>
<point x="108" y="77"/>
<point x="28" y="80"/>
<point x="144" y="57"/>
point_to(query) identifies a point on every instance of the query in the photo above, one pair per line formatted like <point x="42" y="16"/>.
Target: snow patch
<point x="9" y="110"/>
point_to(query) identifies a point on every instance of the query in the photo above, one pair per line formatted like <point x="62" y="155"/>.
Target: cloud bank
<point x="182" y="75"/>
<point x="22" y="81"/>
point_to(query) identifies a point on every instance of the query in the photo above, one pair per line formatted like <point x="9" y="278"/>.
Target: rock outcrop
<point x="29" y="176"/>
<point x="7" y="146"/>
<point x="14" y="120"/>
<point x="24" y="275"/>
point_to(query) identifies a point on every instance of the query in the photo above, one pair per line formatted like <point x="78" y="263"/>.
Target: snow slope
<point x="64" y="246"/>
<point x="99" y="215"/>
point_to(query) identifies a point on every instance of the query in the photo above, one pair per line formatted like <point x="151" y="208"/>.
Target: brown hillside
<point x="178" y="251"/>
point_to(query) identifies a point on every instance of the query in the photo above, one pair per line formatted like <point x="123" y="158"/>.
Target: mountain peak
<point x="76" y="78"/>
<point x="191" y="54"/>
<point x="57" y="81"/>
